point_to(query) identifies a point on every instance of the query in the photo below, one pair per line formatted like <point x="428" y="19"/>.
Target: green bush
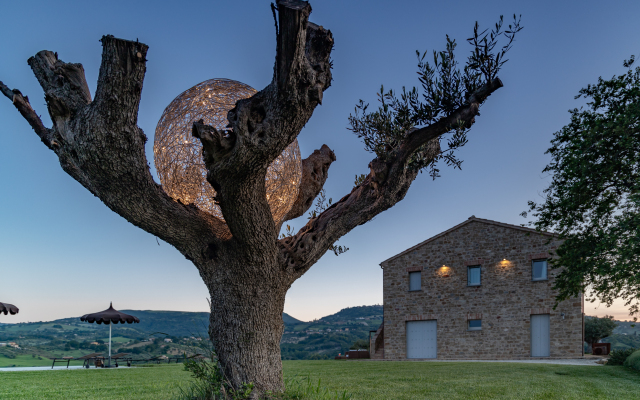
<point x="296" y="389"/>
<point x="618" y="357"/>
<point x="209" y="382"/>
<point x="633" y="361"/>
<point x="360" y="344"/>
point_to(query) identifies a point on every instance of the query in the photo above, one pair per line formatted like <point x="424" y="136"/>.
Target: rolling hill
<point x="318" y="339"/>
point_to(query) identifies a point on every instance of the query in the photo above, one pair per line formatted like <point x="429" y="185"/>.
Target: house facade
<point x="480" y="290"/>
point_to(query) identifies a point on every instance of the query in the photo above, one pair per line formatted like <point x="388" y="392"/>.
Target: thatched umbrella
<point x="107" y="317"/>
<point x="7" y="308"/>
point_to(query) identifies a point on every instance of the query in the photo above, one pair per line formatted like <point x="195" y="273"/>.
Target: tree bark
<point x="246" y="269"/>
<point x="246" y="325"/>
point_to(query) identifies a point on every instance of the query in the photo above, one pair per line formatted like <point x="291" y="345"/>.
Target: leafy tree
<point x="593" y="201"/>
<point x="598" y="328"/>
<point x="360" y="344"/>
<point x="246" y="267"/>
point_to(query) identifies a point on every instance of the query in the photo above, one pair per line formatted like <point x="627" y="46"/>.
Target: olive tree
<point x="598" y="328"/>
<point x="245" y="265"/>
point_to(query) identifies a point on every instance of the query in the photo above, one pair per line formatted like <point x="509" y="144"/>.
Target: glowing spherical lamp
<point x="178" y="155"/>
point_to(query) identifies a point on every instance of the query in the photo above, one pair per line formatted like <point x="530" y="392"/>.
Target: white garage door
<point x="421" y="339"/>
<point x="540" y="335"/>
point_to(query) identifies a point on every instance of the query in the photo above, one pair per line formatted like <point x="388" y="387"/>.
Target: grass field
<point x="459" y="380"/>
<point x="363" y="379"/>
<point x="134" y="383"/>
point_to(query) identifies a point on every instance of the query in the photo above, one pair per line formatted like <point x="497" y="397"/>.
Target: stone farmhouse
<point x="480" y="290"/>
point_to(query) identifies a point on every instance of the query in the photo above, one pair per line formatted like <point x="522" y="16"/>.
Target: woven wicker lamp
<point x="178" y="155"/>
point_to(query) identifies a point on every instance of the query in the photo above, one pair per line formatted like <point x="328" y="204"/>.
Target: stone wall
<point x="376" y="343"/>
<point x="505" y="300"/>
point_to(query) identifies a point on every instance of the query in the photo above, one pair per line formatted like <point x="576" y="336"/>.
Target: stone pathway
<point x="563" y="361"/>
<point x="14" y="369"/>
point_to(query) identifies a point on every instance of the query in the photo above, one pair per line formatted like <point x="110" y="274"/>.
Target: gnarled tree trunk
<point x="246" y="324"/>
<point x="246" y="268"/>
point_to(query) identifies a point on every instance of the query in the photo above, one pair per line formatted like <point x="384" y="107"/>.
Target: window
<point x="473" y="275"/>
<point x="475" y="325"/>
<point x="414" y="280"/>
<point x="539" y="270"/>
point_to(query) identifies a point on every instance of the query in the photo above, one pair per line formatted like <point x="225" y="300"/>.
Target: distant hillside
<point x="352" y="313"/>
<point x="173" y="323"/>
<point x="625" y="336"/>
<point x="289" y="320"/>
<point x="319" y="339"/>
<point x="627" y="327"/>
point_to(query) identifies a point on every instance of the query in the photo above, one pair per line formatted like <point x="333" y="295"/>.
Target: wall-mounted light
<point x="505" y="263"/>
<point x="444" y="271"/>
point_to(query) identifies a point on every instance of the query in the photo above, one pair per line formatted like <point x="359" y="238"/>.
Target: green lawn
<point x="134" y="383"/>
<point x="459" y="380"/>
<point x="363" y="379"/>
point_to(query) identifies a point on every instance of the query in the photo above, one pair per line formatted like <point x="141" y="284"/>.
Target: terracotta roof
<point x="471" y="219"/>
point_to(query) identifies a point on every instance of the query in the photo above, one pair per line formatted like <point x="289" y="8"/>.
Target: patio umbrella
<point x="7" y="308"/>
<point x="107" y="317"/>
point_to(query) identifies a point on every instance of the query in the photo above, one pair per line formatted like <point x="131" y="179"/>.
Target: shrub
<point x="360" y="344"/>
<point x="618" y="357"/>
<point x="305" y="389"/>
<point x="209" y="383"/>
<point x="633" y="361"/>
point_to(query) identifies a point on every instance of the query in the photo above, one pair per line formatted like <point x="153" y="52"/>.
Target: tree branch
<point x="65" y="87"/>
<point x="29" y="114"/>
<point x="265" y="124"/>
<point x="216" y="144"/>
<point x="466" y="114"/>
<point x="99" y="144"/>
<point x="314" y="174"/>
<point x="386" y="185"/>
<point x="121" y="77"/>
<point x="261" y="127"/>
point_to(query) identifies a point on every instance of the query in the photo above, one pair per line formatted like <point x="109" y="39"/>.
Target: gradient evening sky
<point x="63" y="253"/>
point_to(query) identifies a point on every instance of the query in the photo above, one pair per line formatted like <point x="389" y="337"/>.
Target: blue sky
<point x="63" y="253"/>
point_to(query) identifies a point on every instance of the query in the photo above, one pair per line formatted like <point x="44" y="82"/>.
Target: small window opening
<point x="415" y="281"/>
<point x="539" y="270"/>
<point x="473" y="275"/>
<point x="475" y="325"/>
